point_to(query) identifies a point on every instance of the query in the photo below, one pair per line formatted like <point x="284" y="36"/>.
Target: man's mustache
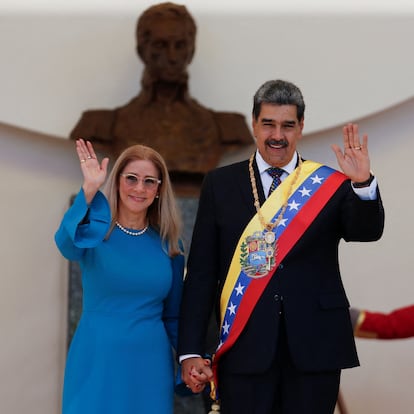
<point x="277" y="142"/>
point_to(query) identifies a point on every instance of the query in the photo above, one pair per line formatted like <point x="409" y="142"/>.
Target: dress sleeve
<point x="173" y="300"/>
<point x="83" y="226"/>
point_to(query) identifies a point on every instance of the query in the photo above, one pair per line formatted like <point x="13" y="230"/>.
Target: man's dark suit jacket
<point x="308" y="281"/>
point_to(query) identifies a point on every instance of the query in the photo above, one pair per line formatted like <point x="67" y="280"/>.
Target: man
<point x="272" y="260"/>
<point x="190" y="137"/>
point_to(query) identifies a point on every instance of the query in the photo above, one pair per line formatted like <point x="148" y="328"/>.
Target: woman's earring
<point x="157" y="196"/>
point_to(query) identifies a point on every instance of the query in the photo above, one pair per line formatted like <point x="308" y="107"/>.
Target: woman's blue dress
<point x="120" y="360"/>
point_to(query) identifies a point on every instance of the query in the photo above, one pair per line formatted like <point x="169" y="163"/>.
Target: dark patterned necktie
<point x="275" y="173"/>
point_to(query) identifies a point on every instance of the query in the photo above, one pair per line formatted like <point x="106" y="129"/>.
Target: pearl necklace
<point x="132" y="233"/>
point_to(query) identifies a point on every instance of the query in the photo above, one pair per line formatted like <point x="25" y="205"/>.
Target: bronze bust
<point x="191" y="137"/>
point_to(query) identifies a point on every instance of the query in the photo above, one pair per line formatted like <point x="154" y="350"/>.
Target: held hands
<point x="196" y="373"/>
<point x="94" y="174"/>
<point x="354" y="160"/>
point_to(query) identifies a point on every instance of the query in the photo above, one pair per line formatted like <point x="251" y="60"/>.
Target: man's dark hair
<point x="279" y="92"/>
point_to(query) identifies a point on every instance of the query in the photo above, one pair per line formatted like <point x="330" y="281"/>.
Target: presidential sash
<point x="300" y="197"/>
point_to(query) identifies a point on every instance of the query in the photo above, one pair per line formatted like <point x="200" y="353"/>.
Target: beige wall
<point x="37" y="176"/>
<point x="62" y="64"/>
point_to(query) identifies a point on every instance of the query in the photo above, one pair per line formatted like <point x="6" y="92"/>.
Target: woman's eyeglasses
<point x="149" y="183"/>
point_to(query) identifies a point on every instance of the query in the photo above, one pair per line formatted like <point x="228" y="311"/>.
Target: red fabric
<point x="396" y="324"/>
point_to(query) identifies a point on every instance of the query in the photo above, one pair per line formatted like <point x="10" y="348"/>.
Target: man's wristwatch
<point x="366" y="183"/>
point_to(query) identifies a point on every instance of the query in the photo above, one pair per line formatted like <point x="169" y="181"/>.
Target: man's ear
<point x="254" y="123"/>
<point x="191" y="55"/>
<point x="139" y="52"/>
<point x="301" y="125"/>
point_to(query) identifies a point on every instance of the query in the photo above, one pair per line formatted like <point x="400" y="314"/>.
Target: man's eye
<point x="182" y="44"/>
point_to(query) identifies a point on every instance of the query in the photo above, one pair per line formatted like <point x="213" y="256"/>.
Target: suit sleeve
<point x="362" y="220"/>
<point x="201" y="282"/>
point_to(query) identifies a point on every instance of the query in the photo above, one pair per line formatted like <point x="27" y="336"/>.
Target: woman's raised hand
<point x="94" y="173"/>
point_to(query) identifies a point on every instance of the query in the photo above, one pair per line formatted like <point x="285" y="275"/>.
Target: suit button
<point x="277" y="298"/>
<point x="281" y="266"/>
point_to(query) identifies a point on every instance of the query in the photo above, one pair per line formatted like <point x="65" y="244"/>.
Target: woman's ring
<point x="88" y="157"/>
<point x="82" y="160"/>
<point x="357" y="148"/>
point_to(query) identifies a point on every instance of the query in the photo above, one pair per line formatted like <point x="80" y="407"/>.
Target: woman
<point x="127" y="243"/>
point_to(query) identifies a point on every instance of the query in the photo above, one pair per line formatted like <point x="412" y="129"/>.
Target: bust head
<point x="165" y="37"/>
